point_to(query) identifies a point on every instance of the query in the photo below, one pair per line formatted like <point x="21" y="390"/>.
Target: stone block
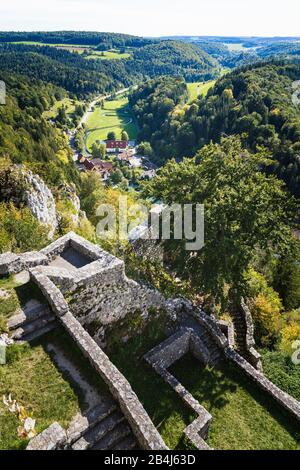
<point x="52" y="438"/>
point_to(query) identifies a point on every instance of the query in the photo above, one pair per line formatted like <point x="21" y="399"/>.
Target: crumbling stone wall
<point x="100" y="291"/>
<point x="144" y="243"/>
<point x="167" y="353"/>
<point x="140" y="423"/>
<point x="52" y="438"/>
<point x="106" y="295"/>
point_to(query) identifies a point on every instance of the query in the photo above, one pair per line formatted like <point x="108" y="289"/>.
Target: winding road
<point x="90" y="110"/>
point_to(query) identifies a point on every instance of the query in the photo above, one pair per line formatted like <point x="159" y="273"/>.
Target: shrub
<point x="266" y="308"/>
<point x="289" y="334"/>
<point x="21" y="228"/>
<point x="279" y="368"/>
<point x="266" y="317"/>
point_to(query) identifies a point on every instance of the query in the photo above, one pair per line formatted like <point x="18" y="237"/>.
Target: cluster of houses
<point x="96" y="164"/>
<point x="123" y="150"/>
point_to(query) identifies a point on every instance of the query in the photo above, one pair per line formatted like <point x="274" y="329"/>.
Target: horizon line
<point x="152" y="36"/>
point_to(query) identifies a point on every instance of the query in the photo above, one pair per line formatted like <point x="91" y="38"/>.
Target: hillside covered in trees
<point x="81" y="77"/>
<point x="175" y="58"/>
<point x="86" y="38"/>
<point x="232" y="52"/>
<point x="63" y="68"/>
<point x="26" y="137"/>
<point x="254" y="102"/>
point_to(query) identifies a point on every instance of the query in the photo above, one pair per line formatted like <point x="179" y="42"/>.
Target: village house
<point x="101" y="167"/>
<point x="88" y="165"/>
<point x="113" y="146"/>
<point x="126" y="156"/>
<point x="104" y="168"/>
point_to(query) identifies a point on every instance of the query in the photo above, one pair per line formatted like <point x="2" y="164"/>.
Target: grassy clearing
<point x="236" y="47"/>
<point x="115" y="116"/>
<point x="108" y="55"/>
<point x="243" y="416"/>
<point x="199" y="88"/>
<point x="164" y="407"/>
<point x="67" y="103"/>
<point x="32" y="377"/>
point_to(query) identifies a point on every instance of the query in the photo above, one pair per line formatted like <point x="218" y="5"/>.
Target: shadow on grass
<point x="211" y="389"/>
<point x="214" y="388"/>
<point x="62" y="342"/>
<point x="164" y="407"/>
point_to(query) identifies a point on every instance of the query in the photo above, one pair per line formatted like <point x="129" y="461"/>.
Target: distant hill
<point x="175" y="58"/>
<point x="103" y="40"/>
<point x="82" y="77"/>
<point x="233" y="52"/>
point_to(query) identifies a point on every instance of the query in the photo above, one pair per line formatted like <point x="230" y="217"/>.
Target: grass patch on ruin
<point x="165" y="409"/>
<point x="35" y="381"/>
<point x="17" y="296"/>
<point x="9" y="301"/>
<point x="244" y="417"/>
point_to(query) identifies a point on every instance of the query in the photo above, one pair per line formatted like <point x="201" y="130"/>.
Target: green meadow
<point x="114" y="116"/>
<point x="199" y="88"/>
<point x="108" y="55"/>
<point x="67" y="103"/>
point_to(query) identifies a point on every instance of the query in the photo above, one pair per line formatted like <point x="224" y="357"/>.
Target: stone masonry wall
<point x="140" y="423"/>
<point x="101" y="292"/>
<point x="108" y="295"/>
<point x="162" y="357"/>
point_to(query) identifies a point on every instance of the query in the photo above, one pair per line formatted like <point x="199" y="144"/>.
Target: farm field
<point x="236" y="47"/>
<point x="115" y="116"/>
<point x="72" y="47"/>
<point x="199" y="88"/>
<point x="92" y="53"/>
<point x="108" y="55"/>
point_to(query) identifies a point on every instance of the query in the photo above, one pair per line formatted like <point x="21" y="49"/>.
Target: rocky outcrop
<point x="22" y="187"/>
<point x="68" y="192"/>
<point x="40" y="201"/>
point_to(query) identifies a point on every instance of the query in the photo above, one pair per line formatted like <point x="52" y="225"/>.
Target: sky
<point x="155" y="17"/>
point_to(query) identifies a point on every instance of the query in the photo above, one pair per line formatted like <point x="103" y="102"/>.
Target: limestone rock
<point x="40" y="201"/>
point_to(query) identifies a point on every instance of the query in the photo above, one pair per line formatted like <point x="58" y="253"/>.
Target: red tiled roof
<point x="88" y="164"/>
<point x="113" y="144"/>
<point x="106" y="165"/>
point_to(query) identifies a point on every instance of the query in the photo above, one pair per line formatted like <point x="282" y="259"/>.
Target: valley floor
<point x="114" y="116"/>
